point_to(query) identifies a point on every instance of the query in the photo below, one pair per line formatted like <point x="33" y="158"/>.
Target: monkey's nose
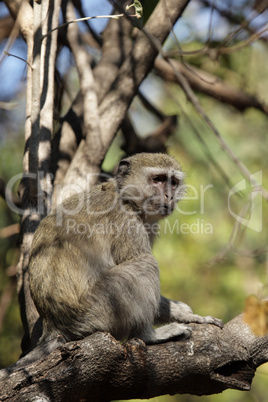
<point x="169" y="197"/>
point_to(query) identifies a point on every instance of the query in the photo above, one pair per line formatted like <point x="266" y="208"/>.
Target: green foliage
<point x="11" y="334"/>
<point x="137" y="7"/>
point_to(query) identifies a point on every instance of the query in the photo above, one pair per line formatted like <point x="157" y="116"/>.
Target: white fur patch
<point x="178" y="174"/>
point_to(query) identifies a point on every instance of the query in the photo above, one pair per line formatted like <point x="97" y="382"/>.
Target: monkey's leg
<point x="170" y="311"/>
<point x="125" y="299"/>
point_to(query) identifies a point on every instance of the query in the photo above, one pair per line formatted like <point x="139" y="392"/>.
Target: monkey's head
<point x="151" y="183"/>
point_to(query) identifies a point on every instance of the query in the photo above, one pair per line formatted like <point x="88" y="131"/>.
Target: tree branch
<point x="198" y="107"/>
<point x="117" y="45"/>
<point x="211" y="361"/>
<point x="155" y="142"/>
<point x="136" y="66"/>
<point x="89" y="154"/>
<point x="133" y="70"/>
<point x="21" y="12"/>
<point x="210" y="85"/>
<point x="35" y="187"/>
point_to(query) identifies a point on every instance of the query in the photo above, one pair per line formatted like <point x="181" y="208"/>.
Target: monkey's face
<point x="164" y="189"/>
<point x="152" y="191"/>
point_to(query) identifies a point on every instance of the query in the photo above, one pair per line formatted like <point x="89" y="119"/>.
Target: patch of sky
<point x="12" y="70"/>
<point x="93" y="9"/>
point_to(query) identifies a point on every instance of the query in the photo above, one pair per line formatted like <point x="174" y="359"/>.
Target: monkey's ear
<point x="123" y="168"/>
<point x="122" y="171"/>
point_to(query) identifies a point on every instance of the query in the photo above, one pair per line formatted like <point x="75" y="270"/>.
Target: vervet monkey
<point x="91" y="266"/>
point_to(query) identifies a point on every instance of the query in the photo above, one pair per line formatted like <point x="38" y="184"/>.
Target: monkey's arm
<point x="175" y="311"/>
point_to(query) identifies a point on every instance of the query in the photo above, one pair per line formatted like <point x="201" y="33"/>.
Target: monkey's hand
<point x="170" y="311"/>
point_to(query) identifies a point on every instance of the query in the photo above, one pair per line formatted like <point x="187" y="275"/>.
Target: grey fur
<point x="91" y="267"/>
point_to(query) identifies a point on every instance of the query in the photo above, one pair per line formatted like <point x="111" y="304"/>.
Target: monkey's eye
<point x="174" y="182"/>
<point x="161" y="178"/>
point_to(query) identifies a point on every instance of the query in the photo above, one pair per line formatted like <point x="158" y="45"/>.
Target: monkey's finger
<point x="214" y="321"/>
<point x="198" y="319"/>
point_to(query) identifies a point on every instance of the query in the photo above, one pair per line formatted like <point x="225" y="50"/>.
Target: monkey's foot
<point x="168" y="333"/>
<point x="198" y="319"/>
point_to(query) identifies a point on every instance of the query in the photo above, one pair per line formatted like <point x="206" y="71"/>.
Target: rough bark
<point x="101" y="369"/>
<point x="36" y="187"/>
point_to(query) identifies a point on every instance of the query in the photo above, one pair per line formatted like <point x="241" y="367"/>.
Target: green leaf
<point x="138" y="8"/>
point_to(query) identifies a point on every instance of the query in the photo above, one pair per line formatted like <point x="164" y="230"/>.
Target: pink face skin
<point x="166" y="187"/>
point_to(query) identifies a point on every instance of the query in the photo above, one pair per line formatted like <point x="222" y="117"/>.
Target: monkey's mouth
<point x="163" y="209"/>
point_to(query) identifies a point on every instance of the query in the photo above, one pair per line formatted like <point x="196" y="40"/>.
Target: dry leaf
<point x="256" y="315"/>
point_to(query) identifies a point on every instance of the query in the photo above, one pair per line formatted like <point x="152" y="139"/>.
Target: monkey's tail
<point x="43" y="349"/>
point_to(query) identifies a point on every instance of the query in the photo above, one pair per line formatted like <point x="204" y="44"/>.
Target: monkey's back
<point x="75" y="280"/>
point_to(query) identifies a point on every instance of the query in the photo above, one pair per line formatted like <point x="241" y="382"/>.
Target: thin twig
<point x="235" y="19"/>
<point x="246" y="42"/>
<point x="232" y="244"/>
<point x="17" y="57"/>
<point x="215" y="52"/>
<point x="210" y="23"/>
<point x="12" y="37"/>
<point x="182" y="53"/>
<point x="87" y="19"/>
<point x="205" y="147"/>
<point x="9" y="230"/>
<point x="149" y="106"/>
<point x="8" y="105"/>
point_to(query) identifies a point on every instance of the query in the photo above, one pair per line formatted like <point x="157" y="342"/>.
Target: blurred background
<point x="207" y="259"/>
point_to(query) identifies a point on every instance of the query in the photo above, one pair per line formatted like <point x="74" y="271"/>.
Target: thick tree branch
<point x="126" y="72"/>
<point x="211" y="85"/>
<point x="6" y="26"/>
<point x="117" y="45"/>
<point x="22" y="12"/>
<point x="101" y="369"/>
<point x="36" y="187"/>
<point x="137" y="65"/>
<point x="135" y="68"/>
<point x="89" y="154"/>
